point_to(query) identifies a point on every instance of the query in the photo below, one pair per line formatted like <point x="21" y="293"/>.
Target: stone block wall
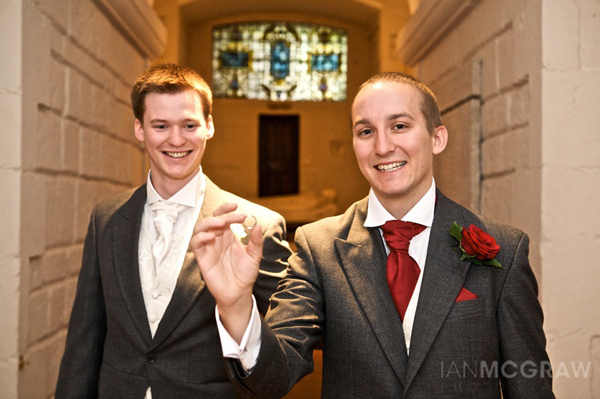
<point x="10" y="181"/>
<point x="78" y="148"/>
<point x="484" y="68"/>
<point x="570" y="192"/>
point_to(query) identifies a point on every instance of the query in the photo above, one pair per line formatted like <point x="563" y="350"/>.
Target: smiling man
<point x="143" y="323"/>
<point x="411" y="294"/>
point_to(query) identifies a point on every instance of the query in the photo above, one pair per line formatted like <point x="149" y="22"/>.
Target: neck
<point x="167" y="188"/>
<point x="399" y="209"/>
<point x="399" y="206"/>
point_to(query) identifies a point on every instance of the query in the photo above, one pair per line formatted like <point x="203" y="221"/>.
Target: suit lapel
<point x="213" y="198"/>
<point x="363" y="258"/>
<point x="187" y="291"/>
<point x="443" y="278"/>
<point x="126" y="234"/>
<point x="190" y="284"/>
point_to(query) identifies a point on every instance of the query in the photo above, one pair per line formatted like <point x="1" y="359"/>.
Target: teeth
<point x="177" y="154"/>
<point x="391" y="166"/>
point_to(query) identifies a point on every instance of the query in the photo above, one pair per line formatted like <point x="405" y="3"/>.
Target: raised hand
<point x="228" y="267"/>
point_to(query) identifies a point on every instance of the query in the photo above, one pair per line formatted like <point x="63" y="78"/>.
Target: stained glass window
<point x="279" y="61"/>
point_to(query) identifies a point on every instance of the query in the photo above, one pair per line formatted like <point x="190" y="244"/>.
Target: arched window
<point x="279" y="61"/>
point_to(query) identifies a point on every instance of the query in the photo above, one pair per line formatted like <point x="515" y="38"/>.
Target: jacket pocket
<point x="467" y="308"/>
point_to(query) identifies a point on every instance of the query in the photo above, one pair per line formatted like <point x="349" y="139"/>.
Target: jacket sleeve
<point x="273" y="265"/>
<point x="290" y="331"/>
<point x="524" y="366"/>
<point x="80" y="366"/>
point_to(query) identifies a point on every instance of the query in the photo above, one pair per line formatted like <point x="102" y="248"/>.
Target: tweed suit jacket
<point x="336" y="292"/>
<point x="110" y="352"/>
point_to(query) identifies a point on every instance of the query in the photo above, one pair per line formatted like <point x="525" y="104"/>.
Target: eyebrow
<point x="363" y="121"/>
<point x="400" y="115"/>
<point x="159" y="120"/>
<point x="391" y="117"/>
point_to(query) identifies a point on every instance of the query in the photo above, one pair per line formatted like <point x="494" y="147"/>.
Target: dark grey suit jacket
<point x="110" y="352"/>
<point x="336" y="291"/>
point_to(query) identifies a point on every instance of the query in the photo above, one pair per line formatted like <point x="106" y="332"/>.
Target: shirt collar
<point x="421" y="213"/>
<point x="187" y="196"/>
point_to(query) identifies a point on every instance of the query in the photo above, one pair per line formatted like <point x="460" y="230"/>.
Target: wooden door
<point x="278" y="155"/>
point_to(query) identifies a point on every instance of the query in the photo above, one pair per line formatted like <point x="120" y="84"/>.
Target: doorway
<point x="278" y="155"/>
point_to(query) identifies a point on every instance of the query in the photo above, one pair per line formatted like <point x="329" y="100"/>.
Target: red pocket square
<point x="465" y="295"/>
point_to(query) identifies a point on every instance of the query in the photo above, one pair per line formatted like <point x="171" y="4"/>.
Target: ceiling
<point x="361" y="12"/>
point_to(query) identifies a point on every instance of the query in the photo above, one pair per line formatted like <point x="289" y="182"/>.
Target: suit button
<point x="150" y="358"/>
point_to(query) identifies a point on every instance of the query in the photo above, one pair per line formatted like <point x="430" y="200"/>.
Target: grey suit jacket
<point x="336" y="291"/>
<point x="110" y="352"/>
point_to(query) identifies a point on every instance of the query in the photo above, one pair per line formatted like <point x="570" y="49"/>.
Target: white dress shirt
<point x="158" y="285"/>
<point x="247" y="351"/>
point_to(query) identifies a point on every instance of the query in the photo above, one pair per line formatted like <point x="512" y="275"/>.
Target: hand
<point x="228" y="267"/>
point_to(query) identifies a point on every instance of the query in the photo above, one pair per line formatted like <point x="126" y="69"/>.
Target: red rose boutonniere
<point x="476" y="245"/>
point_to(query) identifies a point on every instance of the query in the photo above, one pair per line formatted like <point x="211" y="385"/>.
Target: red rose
<point x="478" y="243"/>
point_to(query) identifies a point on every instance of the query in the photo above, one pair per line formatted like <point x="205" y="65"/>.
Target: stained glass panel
<point x="324" y="62"/>
<point x="234" y="59"/>
<point x="279" y="61"/>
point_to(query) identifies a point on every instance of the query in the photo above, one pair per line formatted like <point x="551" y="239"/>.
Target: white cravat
<point x="165" y="217"/>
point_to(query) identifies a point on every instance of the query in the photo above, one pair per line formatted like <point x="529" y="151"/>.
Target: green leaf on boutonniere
<point x="487" y="262"/>
<point x="456" y="231"/>
<point x="494" y="262"/>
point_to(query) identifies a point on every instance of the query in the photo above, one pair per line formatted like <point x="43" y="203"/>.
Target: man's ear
<point x="138" y="130"/>
<point x="210" y="127"/>
<point x="439" y="139"/>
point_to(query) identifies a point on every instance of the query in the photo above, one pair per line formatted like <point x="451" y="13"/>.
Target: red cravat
<point x="402" y="270"/>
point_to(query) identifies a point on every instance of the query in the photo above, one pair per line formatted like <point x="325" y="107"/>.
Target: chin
<point x="392" y="192"/>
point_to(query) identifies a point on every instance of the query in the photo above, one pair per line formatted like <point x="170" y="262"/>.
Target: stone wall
<point x="10" y="193"/>
<point x="570" y="193"/>
<point x="74" y="148"/>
